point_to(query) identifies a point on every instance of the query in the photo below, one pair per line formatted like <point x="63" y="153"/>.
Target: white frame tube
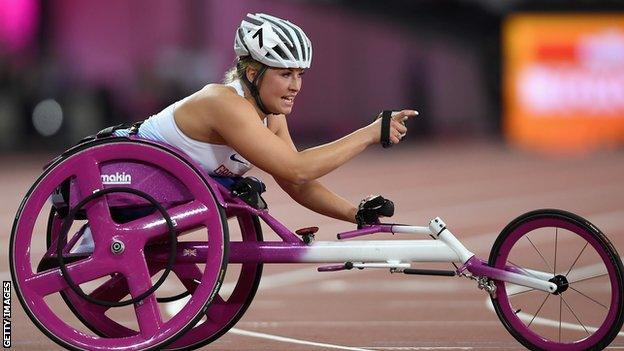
<point x="379" y="251"/>
<point x="447" y="248"/>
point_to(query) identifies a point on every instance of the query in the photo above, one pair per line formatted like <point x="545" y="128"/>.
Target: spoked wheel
<point x="587" y="310"/>
<point x="113" y="271"/>
<point x="226" y="308"/>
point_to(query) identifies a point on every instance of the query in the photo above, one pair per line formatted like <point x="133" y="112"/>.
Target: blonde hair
<point x="238" y="70"/>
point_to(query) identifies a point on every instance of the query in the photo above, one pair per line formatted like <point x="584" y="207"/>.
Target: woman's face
<point x="278" y="88"/>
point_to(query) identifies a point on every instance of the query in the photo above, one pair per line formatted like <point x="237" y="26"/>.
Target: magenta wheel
<point x="115" y="265"/>
<point x="587" y="311"/>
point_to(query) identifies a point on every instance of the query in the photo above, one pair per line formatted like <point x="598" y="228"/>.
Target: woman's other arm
<point x="312" y="195"/>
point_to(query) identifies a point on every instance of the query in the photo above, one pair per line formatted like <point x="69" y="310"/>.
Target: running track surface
<point x="476" y="188"/>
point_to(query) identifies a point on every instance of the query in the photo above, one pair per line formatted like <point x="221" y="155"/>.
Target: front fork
<point x="478" y="270"/>
<point x="484" y="274"/>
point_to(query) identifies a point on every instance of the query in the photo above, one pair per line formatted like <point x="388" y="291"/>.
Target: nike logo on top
<point x="233" y="158"/>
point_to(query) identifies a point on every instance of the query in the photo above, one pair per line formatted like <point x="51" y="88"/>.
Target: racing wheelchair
<point x="114" y="222"/>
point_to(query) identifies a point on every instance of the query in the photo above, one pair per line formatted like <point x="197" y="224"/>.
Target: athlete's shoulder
<point x="217" y="91"/>
<point x="216" y="95"/>
<point x="220" y="101"/>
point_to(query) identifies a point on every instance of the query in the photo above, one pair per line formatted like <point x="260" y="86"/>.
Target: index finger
<point x="403" y="115"/>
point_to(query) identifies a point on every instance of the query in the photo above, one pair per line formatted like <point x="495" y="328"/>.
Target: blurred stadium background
<point x="501" y="85"/>
<point x="542" y="75"/>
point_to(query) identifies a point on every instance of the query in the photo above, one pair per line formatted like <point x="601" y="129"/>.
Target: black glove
<point x="371" y="208"/>
<point x="249" y="190"/>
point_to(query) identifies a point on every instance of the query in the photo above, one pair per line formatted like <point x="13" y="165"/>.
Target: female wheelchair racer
<point x="228" y="128"/>
<point x="136" y="198"/>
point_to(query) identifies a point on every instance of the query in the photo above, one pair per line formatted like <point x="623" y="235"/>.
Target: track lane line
<point x="418" y="348"/>
<point x="293" y="341"/>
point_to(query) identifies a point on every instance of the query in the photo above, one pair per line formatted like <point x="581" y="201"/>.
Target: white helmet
<point x="273" y="41"/>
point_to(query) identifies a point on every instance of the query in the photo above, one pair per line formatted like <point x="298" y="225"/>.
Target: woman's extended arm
<point x="238" y="124"/>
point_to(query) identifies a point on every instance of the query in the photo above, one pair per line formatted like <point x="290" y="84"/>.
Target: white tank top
<point x="217" y="160"/>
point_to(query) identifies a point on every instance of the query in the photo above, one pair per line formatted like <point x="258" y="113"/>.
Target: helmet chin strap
<point x="255" y="91"/>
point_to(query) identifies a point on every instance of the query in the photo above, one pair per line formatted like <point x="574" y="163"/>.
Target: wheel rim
<point x="32" y="288"/>
<point x="508" y="307"/>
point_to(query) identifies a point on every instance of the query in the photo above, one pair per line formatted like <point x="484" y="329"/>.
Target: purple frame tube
<point x="376" y="228"/>
<point x="287" y="251"/>
<point x="481" y="268"/>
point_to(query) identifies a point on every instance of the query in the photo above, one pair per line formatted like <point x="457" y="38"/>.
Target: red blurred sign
<point x="564" y="82"/>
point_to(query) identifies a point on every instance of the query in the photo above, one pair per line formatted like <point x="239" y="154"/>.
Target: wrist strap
<point x="386" y="116"/>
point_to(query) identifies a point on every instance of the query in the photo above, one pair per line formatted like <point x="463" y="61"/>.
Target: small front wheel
<point x="587" y="310"/>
